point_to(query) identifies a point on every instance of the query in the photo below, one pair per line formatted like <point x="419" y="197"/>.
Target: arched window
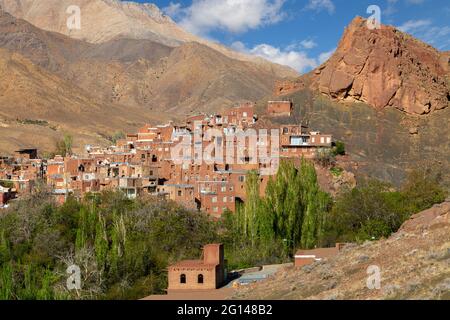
<point x="183" y="278"/>
<point x="200" y="278"/>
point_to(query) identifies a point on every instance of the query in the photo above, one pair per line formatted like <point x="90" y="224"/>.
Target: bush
<point x="117" y="136"/>
<point x="325" y="157"/>
<point x="6" y="184"/>
<point x="422" y="189"/>
<point x="336" y="171"/>
<point x="64" y="146"/>
<point x="371" y="210"/>
<point x="339" y="149"/>
<point x="374" y="209"/>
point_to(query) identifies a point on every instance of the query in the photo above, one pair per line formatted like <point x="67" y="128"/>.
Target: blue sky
<point x="302" y="33"/>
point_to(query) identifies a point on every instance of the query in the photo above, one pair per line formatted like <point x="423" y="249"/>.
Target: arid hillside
<point x="38" y="107"/>
<point x="414" y="263"/>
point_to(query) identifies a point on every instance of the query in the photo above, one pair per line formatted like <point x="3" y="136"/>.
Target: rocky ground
<point x="414" y="264"/>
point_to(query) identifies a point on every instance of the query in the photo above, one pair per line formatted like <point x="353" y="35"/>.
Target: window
<point x="180" y="193"/>
<point x="214" y="199"/>
<point x="183" y="278"/>
<point x="200" y="278"/>
<point x="225" y="199"/>
<point x="241" y="178"/>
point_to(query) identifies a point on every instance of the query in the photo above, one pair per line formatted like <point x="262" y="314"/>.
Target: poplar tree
<point x="101" y="243"/>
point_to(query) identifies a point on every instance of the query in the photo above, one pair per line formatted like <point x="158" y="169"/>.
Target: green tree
<point x="118" y="135"/>
<point x="339" y="148"/>
<point x="422" y="189"/>
<point x="370" y="211"/>
<point x="101" y="243"/>
<point x="292" y="213"/>
<point x="64" y="145"/>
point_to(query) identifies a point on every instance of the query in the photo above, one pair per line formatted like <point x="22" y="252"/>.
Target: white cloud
<point x="236" y="16"/>
<point x="324" y="56"/>
<point x="308" y="44"/>
<point x="296" y="59"/>
<point x="414" y="25"/>
<point x="173" y="9"/>
<point x="426" y="30"/>
<point x="391" y="5"/>
<point x="319" y="5"/>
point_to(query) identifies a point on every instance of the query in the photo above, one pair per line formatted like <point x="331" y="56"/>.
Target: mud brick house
<point x="132" y="187"/>
<point x="280" y="108"/>
<point x="305" y="257"/>
<point x="204" y="274"/>
<point x="297" y="142"/>
<point x="180" y="193"/>
<point x="25" y="154"/>
<point x="244" y="113"/>
<point x="215" y="198"/>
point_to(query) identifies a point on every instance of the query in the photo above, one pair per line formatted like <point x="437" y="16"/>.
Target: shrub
<point x="422" y="189"/>
<point x="336" y="171"/>
<point x="325" y="157"/>
<point x="339" y="148"/>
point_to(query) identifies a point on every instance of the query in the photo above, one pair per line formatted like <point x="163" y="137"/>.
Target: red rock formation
<point x="382" y="67"/>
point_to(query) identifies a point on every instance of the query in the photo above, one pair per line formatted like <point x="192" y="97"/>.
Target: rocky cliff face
<point x="382" y="67"/>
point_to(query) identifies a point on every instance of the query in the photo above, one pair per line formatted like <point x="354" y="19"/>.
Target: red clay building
<point x="280" y="108"/>
<point x="205" y="274"/>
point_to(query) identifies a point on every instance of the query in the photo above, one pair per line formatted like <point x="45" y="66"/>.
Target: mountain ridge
<point x="106" y="20"/>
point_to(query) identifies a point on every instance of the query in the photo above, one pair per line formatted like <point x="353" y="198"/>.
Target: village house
<point x="180" y="193"/>
<point x="25" y="154"/>
<point x="205" y="274"/>
<point x="296" y="141"/>
<point x="280" y="108"/>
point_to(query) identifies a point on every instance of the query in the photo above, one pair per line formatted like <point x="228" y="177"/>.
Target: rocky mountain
<point x="414" y="264"/>
<point x="386" y="95"/>
<point x="382" y="67"/>
<point x="106" y="20"/>
<point x="123" y="76"/>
